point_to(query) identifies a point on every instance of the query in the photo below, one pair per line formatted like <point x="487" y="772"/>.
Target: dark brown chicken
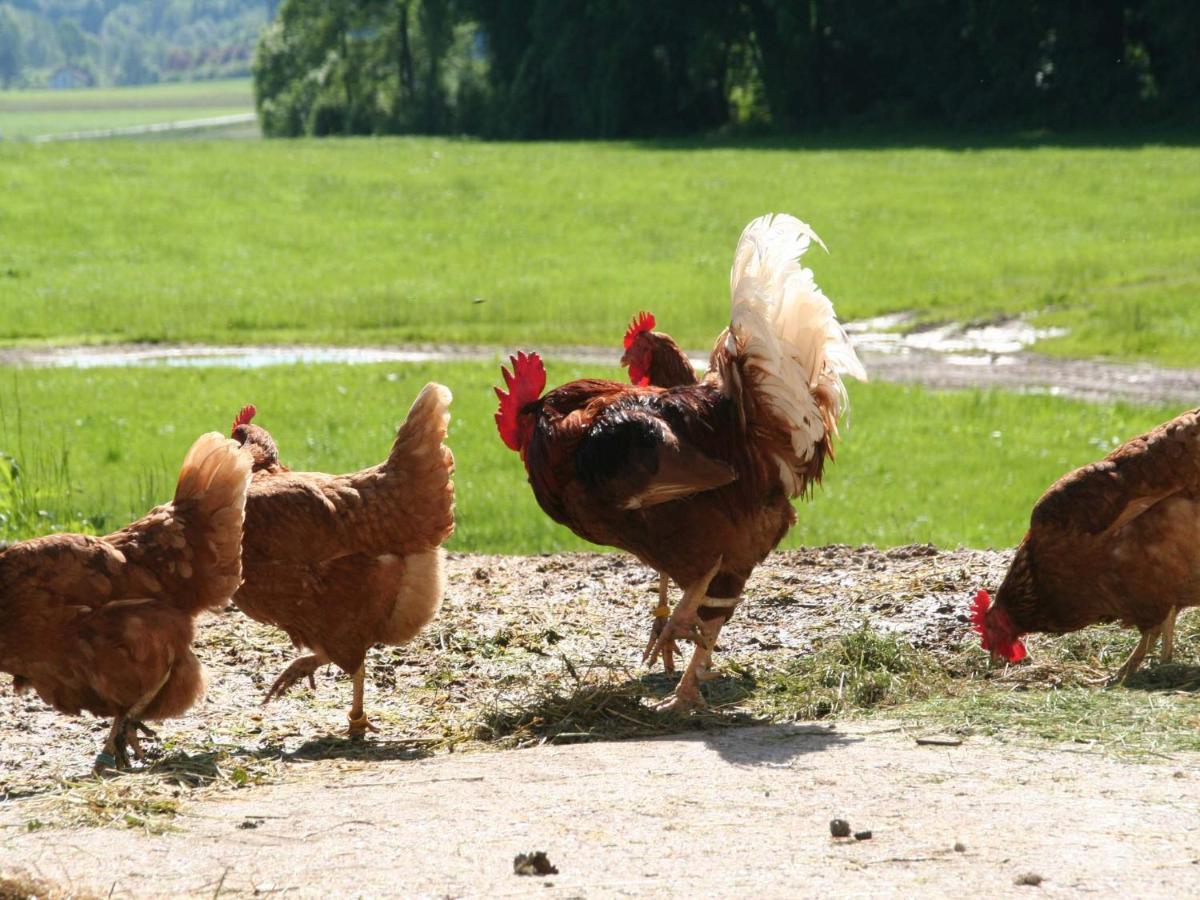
<point x="104" y="624"/>
<point x="1115" y="541"/>
<point x="655" y="360"/>
<point x="342" y="562"/>
<point x="697" y="480"/>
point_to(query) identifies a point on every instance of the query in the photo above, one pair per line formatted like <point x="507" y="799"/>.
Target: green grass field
<point x="950" y="468"/>
<point x="442" y="240"/>
<point x="29" y="113"/>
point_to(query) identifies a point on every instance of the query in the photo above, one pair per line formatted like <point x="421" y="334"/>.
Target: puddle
<point x="220" y="357"/>
<point x="955" y="344"/>
<point x="951" y="357"/>
<point x="878" y="335"/>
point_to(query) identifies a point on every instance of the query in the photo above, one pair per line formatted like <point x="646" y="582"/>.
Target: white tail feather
<point x="784" y="334"/>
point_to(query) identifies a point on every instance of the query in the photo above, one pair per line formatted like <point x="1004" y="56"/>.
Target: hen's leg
<point x="304" y="667"/>
<point x="670" y="649"/>
<point x="1168" y="636"/>
<point x="359" y="723"/>
<point x="1149" y="636"/>
<point x="124" y="730"/>
<point x="683" y="622"/>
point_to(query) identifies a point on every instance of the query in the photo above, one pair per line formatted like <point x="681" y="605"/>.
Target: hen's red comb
<point x="244" y="417"/>
<point x="525" y="384"/>
<point x="979" y="608"/>
<point x="643" y="321"/>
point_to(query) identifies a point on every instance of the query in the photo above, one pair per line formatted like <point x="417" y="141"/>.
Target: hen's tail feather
<point x="420" y="452"/>
<point x="785" y="351"/>
<point x="210" y="497"/>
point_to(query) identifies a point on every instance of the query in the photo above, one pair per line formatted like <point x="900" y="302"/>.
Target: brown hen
<point x="105" y="624"/>
<point x="342" y="562"/>
<point x="1115" y="541"/>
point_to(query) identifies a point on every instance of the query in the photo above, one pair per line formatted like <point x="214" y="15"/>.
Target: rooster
<point x="105" y="624"/>
<point x="697" y="480"/>
<point x="1113" y="541"/>
<point x="342" y="562"/>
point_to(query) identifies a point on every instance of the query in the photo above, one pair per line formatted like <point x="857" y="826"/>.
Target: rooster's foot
<point x="682" y="625"/>
<point x="669" y="649"/>
<point x="687" y="697"/>
<point x="304" y="667"/>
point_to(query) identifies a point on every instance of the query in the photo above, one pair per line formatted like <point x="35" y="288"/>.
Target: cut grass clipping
<point x="93" y="449"/>
<point x="387" y="240"/>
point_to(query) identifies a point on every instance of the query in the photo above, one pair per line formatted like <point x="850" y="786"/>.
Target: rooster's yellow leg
<point x="359" y="723"/>
<point x="670" y="649"/>
<point x="683" y="622"/>
<point x="687" y="694"/>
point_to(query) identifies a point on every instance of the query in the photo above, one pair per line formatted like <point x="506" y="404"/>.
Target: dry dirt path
<point x="725" y="814"/>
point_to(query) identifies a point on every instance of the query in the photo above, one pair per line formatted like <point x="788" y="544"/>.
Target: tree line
<point x="624" y="68"/>
<point x="104" y="42"/>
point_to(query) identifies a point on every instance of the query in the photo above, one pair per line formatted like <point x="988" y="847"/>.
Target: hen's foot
<point x="131" y="737"/>
<point x="359" y="727"/>
<point x="304" y="667"/>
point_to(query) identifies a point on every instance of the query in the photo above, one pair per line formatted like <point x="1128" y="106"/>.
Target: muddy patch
<point x="945" y="356"/>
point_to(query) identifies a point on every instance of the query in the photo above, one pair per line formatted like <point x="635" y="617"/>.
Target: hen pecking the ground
<point x="1114" y="541"/>
<point x="342" y="562"/>
<point x="697" y="480"/>
<point x="105" y="624"/>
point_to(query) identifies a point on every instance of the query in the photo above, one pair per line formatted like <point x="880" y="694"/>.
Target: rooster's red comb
<point x="979" y="608"/>
<point x="244" y="417"/>
<point x="525" y="384"/>
<point x="643" y="321"/>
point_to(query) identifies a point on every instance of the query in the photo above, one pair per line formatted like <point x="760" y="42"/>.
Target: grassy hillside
<point x="951" y="468"/>
<point x="436" y="240"/>
<point x="30" y="113"/>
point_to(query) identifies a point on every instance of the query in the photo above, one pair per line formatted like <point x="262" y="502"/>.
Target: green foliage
<point x="126" y="42"/>
<point x="365" y="67"/>
<point x="576" y="68"/>
<point x="953" y="468"/>
<point x="455" y="241"/>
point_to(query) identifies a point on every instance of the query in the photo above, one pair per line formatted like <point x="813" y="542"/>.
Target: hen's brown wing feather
<point x="1129" y="481"/>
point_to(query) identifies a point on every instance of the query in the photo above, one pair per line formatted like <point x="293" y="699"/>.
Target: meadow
<point x="30" y="113"/>
<point x="433" y="240"/>
<point x="97" y="447"/>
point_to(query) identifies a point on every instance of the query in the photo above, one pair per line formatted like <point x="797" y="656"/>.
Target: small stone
<point x="839" y="828"/>
<point x="1028" y="879"/>
<point x="533" y="863"/>
<point x="862" y="835"/>
<point x="960" y="847"/>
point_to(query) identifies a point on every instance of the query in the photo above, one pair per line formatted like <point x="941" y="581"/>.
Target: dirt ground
<point x="722" y="814"/>
<point x="241" y="798"/>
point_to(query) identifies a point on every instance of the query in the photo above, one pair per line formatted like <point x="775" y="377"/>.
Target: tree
<point x="11" y="56"/>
